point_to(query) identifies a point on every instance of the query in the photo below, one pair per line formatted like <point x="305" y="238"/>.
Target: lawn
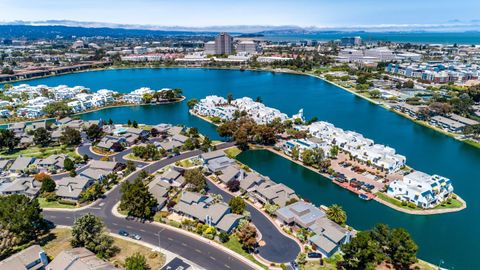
<point x="454" y="203"/>
<point x="39" y="152"/>
<point x="394" y="201"/>
<point x="232" y="152"/>
<point x="328" y="263"/>
<point x="59" y="240"/>
<point x="234" y="245"/>
<point x="55" y="204"/>
<point x="187" y="163"/>
<point x="133" y="157"/>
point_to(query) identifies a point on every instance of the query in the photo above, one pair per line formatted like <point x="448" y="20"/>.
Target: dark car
<point x="314" y="255"/>
<point x="294" y="265"/>
<point x="123" y="233"/>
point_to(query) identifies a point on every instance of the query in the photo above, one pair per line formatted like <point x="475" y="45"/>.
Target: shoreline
<point x="376" y="198"/>
<point x="96" y="110"/>
<point x="283" y="71"/>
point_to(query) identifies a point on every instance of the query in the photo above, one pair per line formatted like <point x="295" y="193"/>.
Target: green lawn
<point x="39" y="152"/>
<point x="232" y="152"/>
<point x="328" y="263"/>
<point x="394" y="201"/>
<point x="187" y="163"/>
<point x="55" y="204"/>
<point x="234" y="245"/>
<point x="133" y="157"/>
<point x="454" y="203"/>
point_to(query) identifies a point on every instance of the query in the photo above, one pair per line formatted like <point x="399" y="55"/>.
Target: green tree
<point x="71" y="136"/>
<point x="192" y="102"/>
<point x="259" y="99"/>
<point x="8" y="139"/>
<point x="59" y="108"/>
<point x="22" y="217"/>
<point x="237" y="204"/>
<point x="308" y="157"/>
<point x="334" y="151"/>
<point x="229" y="98"/>
<point x="206" y="144"/>
<point x="41" y="136"/>
<point x="337" y="214"/>
<point x="195" y="180"/>
<point x="362" y="252"/>
<point x="135" y="124"/>
<point x="137" y="200"/>
<point x="375" y="93"/>
<point x="48" y="185"/>
<point x="94" y="132"/>
<point x="295" y="153"/>
<point x="136" y="262"/>
<point x="403" y="250"/>
<point x="68" y="164"/>
<point x="89" y="231"/>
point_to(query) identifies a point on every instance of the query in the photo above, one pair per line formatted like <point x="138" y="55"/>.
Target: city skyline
<point x="343" y="14"/>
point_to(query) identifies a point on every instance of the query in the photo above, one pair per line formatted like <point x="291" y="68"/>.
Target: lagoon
<point x="452" y="237"/>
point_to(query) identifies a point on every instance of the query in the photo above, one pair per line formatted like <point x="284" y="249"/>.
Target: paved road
<point x="187" y="247"/>
<point x="278" y="248"/>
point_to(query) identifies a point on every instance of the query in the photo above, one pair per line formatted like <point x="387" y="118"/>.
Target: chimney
<point x="70" y="188"/>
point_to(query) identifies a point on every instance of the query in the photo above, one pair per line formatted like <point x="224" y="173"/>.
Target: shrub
<point x="224" y="237"/>
<point x="174" y="223"/>
<point x="404" y="203"/>
<point x="66" y="202"/>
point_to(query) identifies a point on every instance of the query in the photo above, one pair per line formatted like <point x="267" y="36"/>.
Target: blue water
<point x="468" y="38"/>
<point x="452" y="237"/>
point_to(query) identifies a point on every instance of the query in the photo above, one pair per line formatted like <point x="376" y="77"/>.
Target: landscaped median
<point x="231" y="247"/>
<point x="452" y="204"/>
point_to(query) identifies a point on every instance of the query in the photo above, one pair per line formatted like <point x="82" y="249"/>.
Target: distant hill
<point x="38" y="32"/>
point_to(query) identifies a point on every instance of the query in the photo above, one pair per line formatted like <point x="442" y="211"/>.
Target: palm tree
<point x="336" y="213"/>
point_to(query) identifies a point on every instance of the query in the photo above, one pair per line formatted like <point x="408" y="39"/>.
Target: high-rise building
<point x="247" y="46"/>
<point x="210" y="47"/>
<point x="351" y="41"/>
<point x="224" y="44"/>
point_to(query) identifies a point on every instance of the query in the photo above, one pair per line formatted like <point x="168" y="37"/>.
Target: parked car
<point x="123" y="233"/>
<point x="135" y="236"/>
<point x="294" y="265"/>
<point x="314" y="255"/>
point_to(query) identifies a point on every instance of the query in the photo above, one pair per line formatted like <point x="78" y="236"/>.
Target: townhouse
<point x="327" y="236"/>
<point x="424" y="190"/>
<point x="206" y="210"/>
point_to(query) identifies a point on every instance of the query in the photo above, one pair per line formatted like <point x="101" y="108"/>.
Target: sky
<point x="201" y="13"/>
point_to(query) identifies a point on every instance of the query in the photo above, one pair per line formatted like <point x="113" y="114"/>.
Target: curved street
<point x="278" y="248"/>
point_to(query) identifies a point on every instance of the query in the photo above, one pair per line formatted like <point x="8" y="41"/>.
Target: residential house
<point x="31" y="258"/>
<point x="20" y="165"/>
<point x="220" y="163"/>
<point x="269" y="192"/>
<point x="107" y="142"/>
<point x="328" y="236"/>
<point x="159" y="192"/>
<point x="52" y="163"/>
<point x="24" y="186"/>
<point x="231" y="173"/>
<point x="70" y="188"/>
<point x="202" y="208"/>
<point x="79" y="258"/>
<point x="111" y="166"/>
